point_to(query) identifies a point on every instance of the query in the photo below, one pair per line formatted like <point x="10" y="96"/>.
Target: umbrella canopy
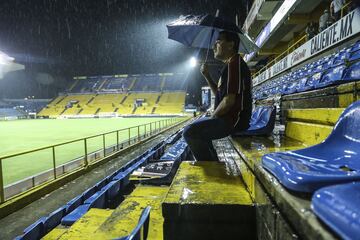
<point x="202" y="31"/>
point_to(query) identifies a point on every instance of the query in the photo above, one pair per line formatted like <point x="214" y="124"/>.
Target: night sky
<point x="100" y="37"/>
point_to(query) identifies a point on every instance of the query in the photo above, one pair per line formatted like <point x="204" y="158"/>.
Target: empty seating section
<point x="87" y="212"/>
<point x="121" y="84"/>
<point x="147" y="82"/>
<point x="171" y="103"/>
<point x="10" y="112"/>
<point x="175" y="82"/>
<point x="121" y="94"/>
<point x="87" y="85"/>
<point x="107" y="103"/>
<point x="148" y="104"/>
<point x="338" y="68"/>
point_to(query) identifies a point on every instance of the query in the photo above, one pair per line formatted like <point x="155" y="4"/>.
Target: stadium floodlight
<point x="193" y="62"/>
<point x="5" y="59"/>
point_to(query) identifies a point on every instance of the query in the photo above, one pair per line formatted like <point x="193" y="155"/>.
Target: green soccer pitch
<point x="23" y="135"/>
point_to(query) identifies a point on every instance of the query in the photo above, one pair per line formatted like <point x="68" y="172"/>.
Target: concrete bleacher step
<point x="312" y="125"/>
<point x="316" y="115"/>
<point x="84" y="228"/>
<point x="121" y="221"/>
<point x="204" y="202"/>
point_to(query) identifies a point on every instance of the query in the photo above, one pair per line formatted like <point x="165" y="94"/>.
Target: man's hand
<point x="204" y="70"/>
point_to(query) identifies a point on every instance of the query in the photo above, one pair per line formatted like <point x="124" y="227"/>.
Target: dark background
<point x="66" y="38"/>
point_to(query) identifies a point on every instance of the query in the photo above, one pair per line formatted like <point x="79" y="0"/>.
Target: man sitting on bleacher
<point x="233" y="101"/>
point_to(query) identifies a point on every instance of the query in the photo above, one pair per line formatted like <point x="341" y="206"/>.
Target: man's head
<point x="226" y="45"/>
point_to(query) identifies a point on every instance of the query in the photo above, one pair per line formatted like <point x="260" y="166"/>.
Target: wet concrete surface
<point x="14" y="224"/>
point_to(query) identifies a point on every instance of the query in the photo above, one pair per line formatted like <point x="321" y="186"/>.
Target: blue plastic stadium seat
<point x="95" y="201"/>
<point x="74" y="203"/>
<point x="335" y="160"/>
<point x="353" y="72"/>
<point x="54" y="219"/>
<point x="313" y="81"/>
<point x="339" y="207"/>
<point x="290" y="88"/>
<point x="356" y="46"/>
<point x="355" y="56"/>
<point x="140" y="232"/>
<point x="89" y="192"/>
<point x="112" y="189"/>
<point x="300" y="87"/>
<point x="34" y="231"/>
<point x="341" y="57"/>
<point x="332" y="76"/>
<point x="101" y="184"/>
<point x="262" y="122"/>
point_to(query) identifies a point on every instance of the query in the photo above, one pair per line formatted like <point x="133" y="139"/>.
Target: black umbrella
<point x="202" y="31"/>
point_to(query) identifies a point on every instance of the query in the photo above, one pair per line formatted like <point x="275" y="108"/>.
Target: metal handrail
<point x="161" y="124"/>
<point x="343" y="7"/>
<point x="274" y="61"/>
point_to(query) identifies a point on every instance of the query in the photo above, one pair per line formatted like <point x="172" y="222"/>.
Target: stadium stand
<point x="91" y="204"/>
<point x="145" y="94"/>
<point x="170" y="103"/>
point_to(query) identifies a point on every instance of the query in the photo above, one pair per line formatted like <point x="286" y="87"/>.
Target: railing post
<point x="86" y="153"/>
<point x="2" y="190"/>
<point x="129" y="136"/>
<point x="117" y="140"/>
<point x="145" y="130"/>
<point x="150" y="129"/>
<point x="104" y="148"/>
<point x="54" y="161"/>
<point x="138" y="132"/>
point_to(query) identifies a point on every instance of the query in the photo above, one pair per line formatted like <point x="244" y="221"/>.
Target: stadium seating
<point x="10" y="112"/>
<point x="335" y="160"/>
<point x="333" y="69"/>
<point x="338" y="206"/>
<point x="147" y="82"/>
<point x="170" y="103"/>
<point x="262" y="122"/>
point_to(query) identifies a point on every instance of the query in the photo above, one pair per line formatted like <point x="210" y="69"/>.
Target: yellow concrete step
<point x="86" y="226"/>
<point x="328" y="116"/>
<point x="308" y="133"/>
<point x="204" y="201"/>
<point x="55" y="233"/>
<point x="126" y="216"/>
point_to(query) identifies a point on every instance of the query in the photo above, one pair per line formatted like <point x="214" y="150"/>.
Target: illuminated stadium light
<point x="5" y="59"/>
<point x="193" y="62"/>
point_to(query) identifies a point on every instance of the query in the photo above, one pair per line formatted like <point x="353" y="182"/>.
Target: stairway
<point x="79" y="111"/>
<point x="123" y="100"/>
<point x="116" y="109"/>
<point x="91" y="99"/>
<point x="97" y="111"/>
<point x="153" y="110"/>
